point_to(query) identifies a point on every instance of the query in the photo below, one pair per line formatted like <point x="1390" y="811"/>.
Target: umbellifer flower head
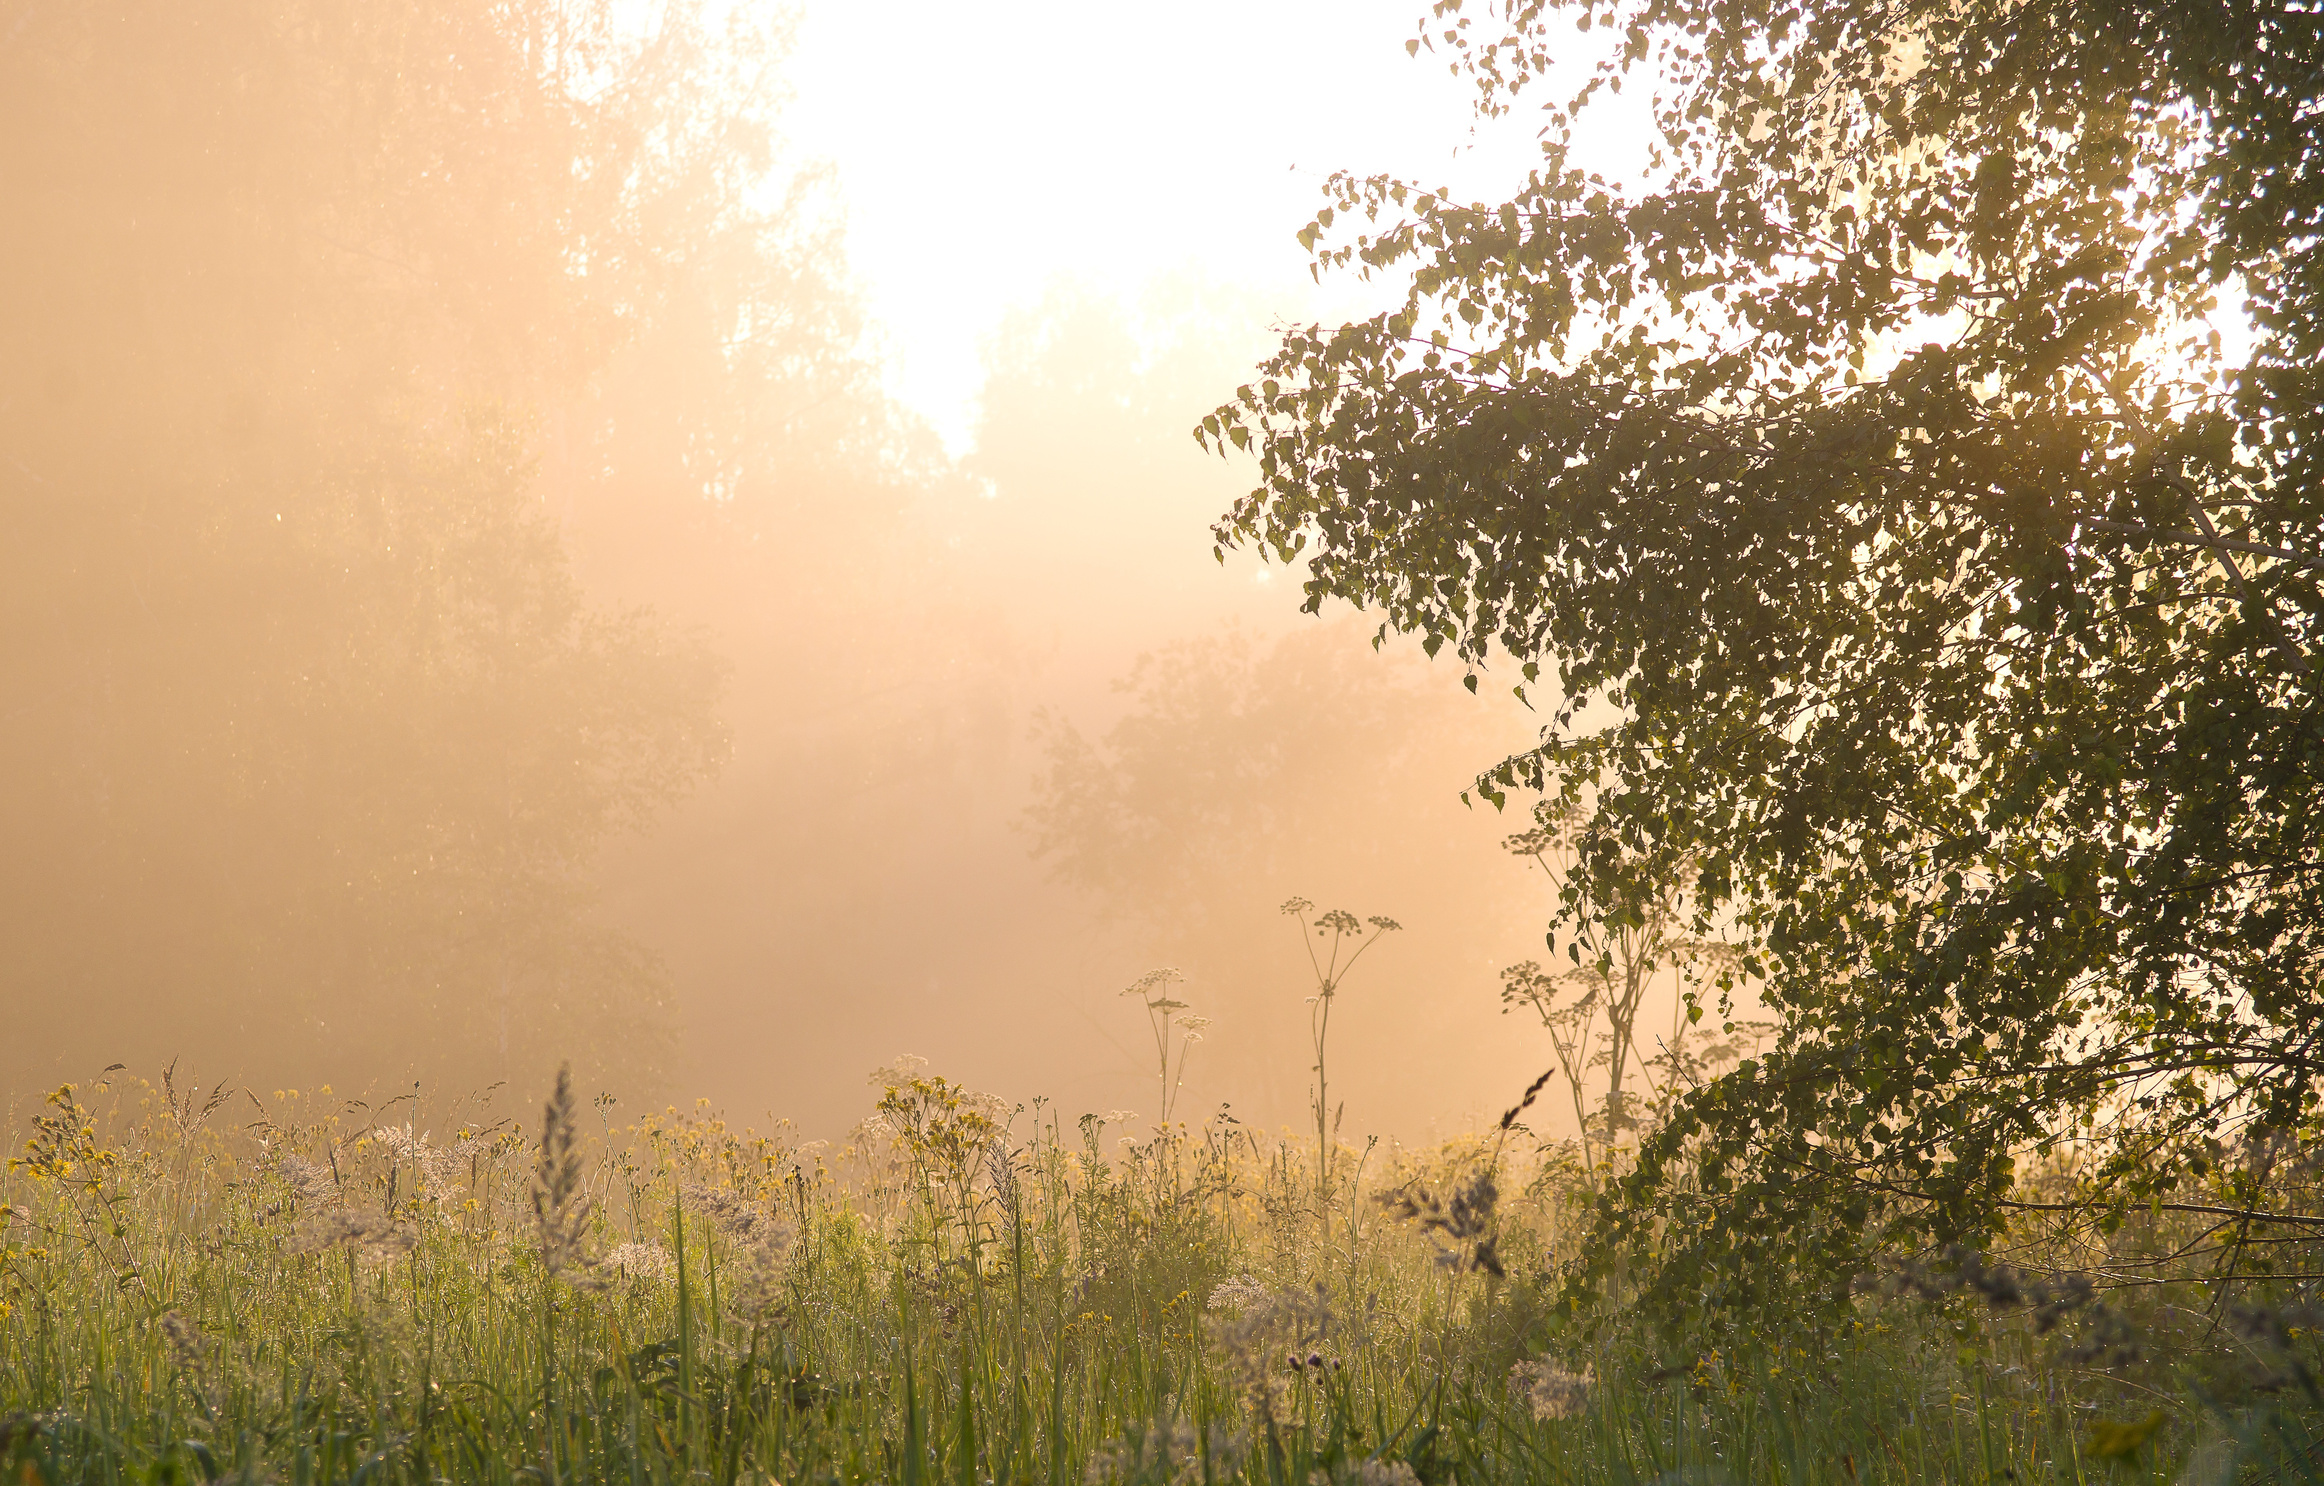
<point x="1549" y="1390"/>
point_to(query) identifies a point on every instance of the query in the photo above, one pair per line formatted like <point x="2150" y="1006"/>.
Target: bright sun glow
<point x="986" y="152"/>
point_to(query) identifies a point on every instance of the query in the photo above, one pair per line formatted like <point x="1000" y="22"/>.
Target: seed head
<point x="1460" y="1223"/>
<point x="560" y="1207"/>
<point x="637" y="1261"/>
<point x="187" y="1345"/>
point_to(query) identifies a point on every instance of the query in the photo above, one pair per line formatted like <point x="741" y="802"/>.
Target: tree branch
<point x="2214" y="540"/>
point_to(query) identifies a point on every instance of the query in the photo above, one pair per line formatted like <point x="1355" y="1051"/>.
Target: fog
<point x="476" y="597"/>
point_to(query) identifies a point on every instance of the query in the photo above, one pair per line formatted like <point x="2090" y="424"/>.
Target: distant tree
<point x="1233" y="766"/>
<point x="313" y="738"/>
<point x="1869" y="491"/>
<point x="1224" y="776"/>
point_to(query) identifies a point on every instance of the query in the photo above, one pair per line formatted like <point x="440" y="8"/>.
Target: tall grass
<point x="963" y="1293"/>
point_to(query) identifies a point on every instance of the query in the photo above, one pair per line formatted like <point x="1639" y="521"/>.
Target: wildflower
<point x="1191" y="1027"/>
<point x="1171" y="1453"/>
<point x="944" y="1126"/>
<point x="436" y="1165"/>
<point x="758" y="1284"/>
<point x="1549" y="1390"/>
<point x="757" y="1279"/>
<point x="311" y="1184"/>
<point x="1150" y="988"/>
<point x="637" y="1261"/>
<point x="375" y="1235"/>
<point x="729" y="1211"/>
<point x="1237" y="1294"/>
<point x="64" y="1146"/>
<point x="900" y="1073"/>
<point x="1264" y="1334"/>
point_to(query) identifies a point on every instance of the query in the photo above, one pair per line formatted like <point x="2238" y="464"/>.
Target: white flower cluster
<point x="1171" y="1454"/>
<point x="1549" y="1390"/>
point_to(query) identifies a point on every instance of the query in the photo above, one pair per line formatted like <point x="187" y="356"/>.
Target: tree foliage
<point x="1867" y="489"/>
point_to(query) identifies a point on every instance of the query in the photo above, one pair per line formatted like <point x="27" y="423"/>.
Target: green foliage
<point x="1866" y="488"/>
<point x="327" y="1298"/>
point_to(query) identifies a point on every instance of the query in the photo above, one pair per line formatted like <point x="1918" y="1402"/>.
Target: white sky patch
<point x="984" y="150"/>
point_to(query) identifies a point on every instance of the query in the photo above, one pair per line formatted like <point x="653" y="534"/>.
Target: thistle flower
<point x="1549" y="1390"/>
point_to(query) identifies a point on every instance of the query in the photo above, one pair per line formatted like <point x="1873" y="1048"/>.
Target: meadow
<point x="296" y="1288"/>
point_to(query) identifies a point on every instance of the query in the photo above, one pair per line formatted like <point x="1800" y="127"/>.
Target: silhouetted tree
<point x="1869" y="486"/>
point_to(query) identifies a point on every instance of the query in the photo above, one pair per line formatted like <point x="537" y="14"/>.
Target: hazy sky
<point x="983" y="151"/>
<point x="1004" y="736"/>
